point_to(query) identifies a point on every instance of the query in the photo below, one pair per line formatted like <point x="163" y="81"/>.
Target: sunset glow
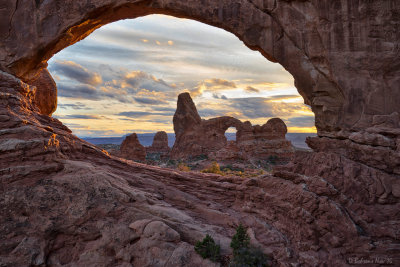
<point x="126" y="76"/>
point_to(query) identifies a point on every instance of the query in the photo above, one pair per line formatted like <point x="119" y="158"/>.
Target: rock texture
<point x="159" y="145"/>
<point x="196" y="137"/>
<point x="132" y="149"/>
<point x="46" y="92"/>
<point x="64" y="202"/>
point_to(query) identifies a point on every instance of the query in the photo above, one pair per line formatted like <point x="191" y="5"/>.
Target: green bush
<point x="273" y="160"/>
<point x="249" y="257"/>
<point x="243" y="254"/>
<point x="171" y="162"/>
<point x="240" y="240"/>
<point x="207" y="249"/>
<point x="153" y="156"/>
<point x="199" y="157"/>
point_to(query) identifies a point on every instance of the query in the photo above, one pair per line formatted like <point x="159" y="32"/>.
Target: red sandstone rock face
<point x="46" y="92"/>
<point x="64" y="202"/>
<point x="132" y="149"/>
<point x="160" y="144"/>
<point x="195" y="137"/>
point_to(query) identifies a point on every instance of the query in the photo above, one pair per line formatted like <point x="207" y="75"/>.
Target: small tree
<point x="250" y="257"/>
<point x="207" y="249"/>
<point x="183" y="167"/>
<point x="240" y="240"/>
<point x="214" y="168"/>
<point x="243" y="254"/>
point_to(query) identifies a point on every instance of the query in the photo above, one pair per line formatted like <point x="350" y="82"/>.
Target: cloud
<point x="284" y="97"/>
<point x="126" y="87"/>
<point x="253" y="107"/>
<point x="78" y="91"/>
<point x="77" y="106"/>
<point x="166" y="109"/>
<point x="149" y="101"/>
<point x="137" y="114"/>
<point x="145" y="96"/>
<point x="250" y="89"/>
<point x="212" y="85"/>
<point x="208" y="112"/>
<point x="219" y="84"/>
<point x="217" y="96"/>
<point x="75" y="71"/>
<point x="76" y="126"/>
<point x="142" y="80"/>
<point x="302" y="121"/>
<point x="81" y="117"/>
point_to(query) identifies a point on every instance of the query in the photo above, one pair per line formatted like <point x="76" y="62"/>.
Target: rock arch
<point x="196" y="136"/>
<point x="311" y="39"/>
<point x="340" y="200"/>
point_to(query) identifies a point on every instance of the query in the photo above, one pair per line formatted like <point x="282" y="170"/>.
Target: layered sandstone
<point x="45" y="93"/>
<point x="64" y="202"/>
<point x="196" y="137"/>
<point x="132" y="149"/>
<point x="159" y="145"/>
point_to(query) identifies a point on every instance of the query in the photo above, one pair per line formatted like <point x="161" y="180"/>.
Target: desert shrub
<point x="199" y="157"/>
<point x="249" y="257"/>
<point x="207" y="249"/>
<point x="153" y="156"/>
<point x="273" y="160"/>
<point x="240" y="240"/>
<point x="214" y="168"/>
<point x="243" y="254"/>
<point x="183" y="167"/>
<point x="171" y="162"/>
<point x="229" y="167"/>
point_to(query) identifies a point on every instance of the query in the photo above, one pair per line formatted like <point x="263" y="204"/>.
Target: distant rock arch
<point x="196" y="137"/>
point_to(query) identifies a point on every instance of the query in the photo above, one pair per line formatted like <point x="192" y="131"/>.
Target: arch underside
<point x="271" y="27"/>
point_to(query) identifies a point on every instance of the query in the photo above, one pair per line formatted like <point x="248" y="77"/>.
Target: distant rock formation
<point x="160" y="145"/>
<point x="195" y="137"/>
<point x="132" y="149"/>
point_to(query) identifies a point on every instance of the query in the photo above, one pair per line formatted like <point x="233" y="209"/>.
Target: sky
<point x="126" y="76"/>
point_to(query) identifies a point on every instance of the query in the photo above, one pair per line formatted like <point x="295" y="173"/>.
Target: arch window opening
<point x="231" y="134"/>
<point x="126" y="76"/>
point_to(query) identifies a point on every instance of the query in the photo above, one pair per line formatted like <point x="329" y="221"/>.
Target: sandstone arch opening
<point x="231" y="134"/>
<point x="340" y="201"/>
<point x="104" y="95"/>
